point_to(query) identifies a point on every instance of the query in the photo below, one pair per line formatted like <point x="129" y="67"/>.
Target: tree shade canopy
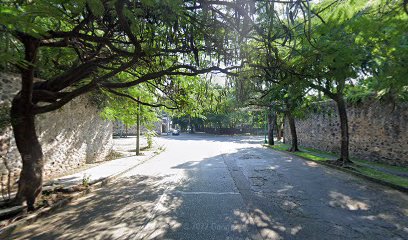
<point x="80" y="46"/>
<point x="279" y="54"/>
<point x="84" y="45"/>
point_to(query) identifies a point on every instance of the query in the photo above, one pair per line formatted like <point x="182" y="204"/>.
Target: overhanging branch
<point x="171" y="71"/>
<point x="138" y="101"/>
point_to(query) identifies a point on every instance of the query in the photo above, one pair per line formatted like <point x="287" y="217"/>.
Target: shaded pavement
<point x="103" y="170"/>
<point x="218" y="187"/>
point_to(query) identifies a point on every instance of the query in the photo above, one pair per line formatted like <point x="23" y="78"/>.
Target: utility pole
<point x="138" y="128"/>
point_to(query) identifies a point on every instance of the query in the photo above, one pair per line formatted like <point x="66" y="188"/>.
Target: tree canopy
<point x="112" y="45"/>
<point x="279" y="53"/>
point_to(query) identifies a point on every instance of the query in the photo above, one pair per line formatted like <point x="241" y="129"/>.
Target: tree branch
<point x="68" y="97"/>
<point x="138" y="101"/>
<point x="169" y="72"/>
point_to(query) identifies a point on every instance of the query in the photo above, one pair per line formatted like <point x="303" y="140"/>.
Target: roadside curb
<point x="95" y="185"/>
<point x="378" y="181"/>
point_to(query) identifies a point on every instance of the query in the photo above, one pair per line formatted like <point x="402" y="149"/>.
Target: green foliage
<point x="148" y="37"/>
<point x="150" y="135"/>
<point x="349" y="49"/>
<point x="218" y="106"/>
<point x="189" y="94"/>
<point x="96" y="7"/>
<point x="358" y="94"/>
<point x="305" y="154"/>
<point x="86" y="180"/>
<point x="9" y="56"/>
<point x="99" y="99"/>
<point x="126" y="110"/>
<point x="383" y="32"/>
<point x="227" y="110"/>
<point x="352" y="49"/>
<point x="401" y="181"/>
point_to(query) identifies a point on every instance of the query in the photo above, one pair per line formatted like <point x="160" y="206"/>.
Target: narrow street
<point x="219" y="187"/>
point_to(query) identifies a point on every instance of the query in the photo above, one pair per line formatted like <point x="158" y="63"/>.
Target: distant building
<point x="166" y="123"/>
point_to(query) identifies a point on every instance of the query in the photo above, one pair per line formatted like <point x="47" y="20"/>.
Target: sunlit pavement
<point x="219" y="187"/>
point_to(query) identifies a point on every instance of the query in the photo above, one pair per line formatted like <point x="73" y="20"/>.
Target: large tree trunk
<point x="23" y="123"/>
<point x="279" y="132"/>
<point x="342" y="109"/>
<point x="30" y="182"/>
<point x="270" y="127"/>
<point x="293" y="133"/>
<point x="284" y="134"/>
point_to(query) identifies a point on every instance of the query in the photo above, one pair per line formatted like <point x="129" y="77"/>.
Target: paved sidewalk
<point x="126" y="147"/>
<point x="92" y="175"/>
<point x="102" y="171"/>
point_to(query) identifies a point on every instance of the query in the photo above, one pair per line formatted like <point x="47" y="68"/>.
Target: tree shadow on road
<point x="114" y="212"/>
<point x="250" y="193"/>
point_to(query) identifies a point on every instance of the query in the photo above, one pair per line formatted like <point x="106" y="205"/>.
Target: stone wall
<point x="70" y="137"/>
<point x="232" y="131"/>
<point x="378" y="131"/>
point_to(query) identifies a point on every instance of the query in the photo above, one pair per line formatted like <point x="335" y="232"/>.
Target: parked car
<point x="175" y="132"/>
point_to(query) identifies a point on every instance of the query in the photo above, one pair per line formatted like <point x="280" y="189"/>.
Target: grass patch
<point x="319" y="152"/>
<point x="310" y="156"/>
<point x="304" y="153"/>
<point x="401" y="181"/>
<point x="360" y="166"/>
<point x="385" y="166"/>
<point x="281" y="147"/>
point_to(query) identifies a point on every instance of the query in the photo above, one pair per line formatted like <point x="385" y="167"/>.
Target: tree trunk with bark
<point x="342" y="110"/>
<point x="279" y="132"/>
<point x="284" y="135"/>
<point x="270" y="127"/>
<point x="23" y="123"/>
<point x="30" y="181"/>
<point x="293" y="132"/>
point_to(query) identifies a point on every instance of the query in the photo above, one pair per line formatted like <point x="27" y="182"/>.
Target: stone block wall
<point x="378" y="131"/>
<point x="70" y="137"/>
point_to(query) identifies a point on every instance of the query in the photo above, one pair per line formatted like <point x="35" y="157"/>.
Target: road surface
<point x="219" y="187"/>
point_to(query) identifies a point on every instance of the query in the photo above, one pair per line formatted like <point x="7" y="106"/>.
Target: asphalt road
<point x="218" y="187"/>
